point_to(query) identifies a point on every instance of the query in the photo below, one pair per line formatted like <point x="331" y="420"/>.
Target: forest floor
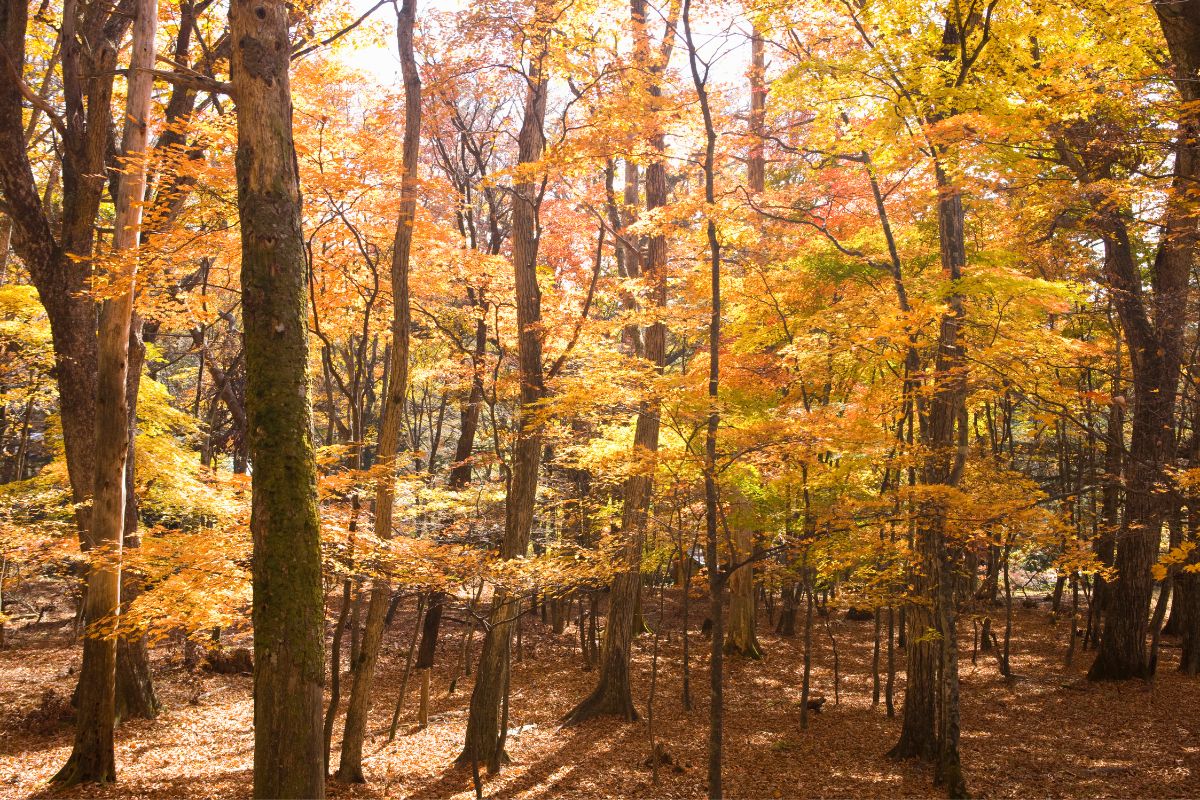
<point x="1045" y="733"/>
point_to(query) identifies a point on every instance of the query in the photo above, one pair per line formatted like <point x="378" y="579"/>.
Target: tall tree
<point x="716" y="578"/>
<point x="1153" y="319"/>
<point x="350" y="767"/>
<point x="289" y="613"/>
<point x="92" y="758"/>
<point x="742" y="639"/>
<point x="59" y="255"/>
<point x="613" y="694"/>
<point x="484" y="721"/>
<point x="931" y="702"/>
<point x="55" y="241"/>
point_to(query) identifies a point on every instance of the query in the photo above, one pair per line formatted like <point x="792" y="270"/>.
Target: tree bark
<point x="484" y="735"/>
<point x="756" y="164"/>
<point x="742" y="640"/>
<point x="135" y="688"/>
<point x="716" y="579"/>
<point x="428" y="650"/>
<point x="931" y="704"/>
<point x="1187" y="599"/>
<point x="1154" y="351"/>
<point x="931" y="714"/>
<point x="931" y="718"/>
<point x="1156" y="355"/>
<point x="92" y="758"/>
<point x="363" y="667"/>
<point x="288" y="607"/>
<point x="786" y="625"/>
<point x="460" y="472"/>
<point x="613" y="692"/>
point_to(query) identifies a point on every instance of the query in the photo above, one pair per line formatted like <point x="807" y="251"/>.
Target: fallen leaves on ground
<point x="1046" y="733"/>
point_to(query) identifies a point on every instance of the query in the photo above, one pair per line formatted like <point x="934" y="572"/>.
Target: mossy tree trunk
<point x="289" y="669"/>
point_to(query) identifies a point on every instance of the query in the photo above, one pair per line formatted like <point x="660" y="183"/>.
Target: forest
<point x="599" y="398"/>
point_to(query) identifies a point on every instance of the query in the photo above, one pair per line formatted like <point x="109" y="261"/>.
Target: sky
<point x="382" y="60"/>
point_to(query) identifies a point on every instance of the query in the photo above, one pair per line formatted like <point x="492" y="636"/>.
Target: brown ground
<point x="1047" y="733"/>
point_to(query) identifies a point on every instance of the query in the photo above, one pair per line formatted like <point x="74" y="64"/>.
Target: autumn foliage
<point x="694" y="320"/>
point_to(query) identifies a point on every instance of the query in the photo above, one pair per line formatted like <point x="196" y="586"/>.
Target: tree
<point x="742" y="639"/>
<point x="931" y="715"/>
<point x="61" y="265"/>
<point x="289" y="669"/>
<point x="484" y="722"/>
<point x="716" y="578"/>
<point x="92" y="758"/>
<point x="613" y="694"/>
<point x="350" y="768"/>
<point x="1154" y="328"/>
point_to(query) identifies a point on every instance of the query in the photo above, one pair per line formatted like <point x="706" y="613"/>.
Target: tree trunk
<point x="1110" y="514"/>
<point x="1122" y="653"/>
<point x="428" y="650"/>
<point x="613" y="694"/>
<point x="135" y="688"/>
<point x="1187" y="597"/>
<point x="931" y="714"/>
<point x="483" y="736"/>
<point x="1155" y="334"/>
<point x="59" y="260"/>
<point x="363" y="668"/>
<point x="92" y="758"/>
<point x="1187" y="601"/>
<point x="742" y="640"/>
<point x="5" y="238"/>
<point x="786" y="626"/>
<point x="805" y="680"/>
<point x="418" y="624"/>
<point x="756" y="165"/>
<point x="288" y="608"/>
<point x="335" y="673"/>
<point x="1181" y="28"/>
<point x="460" y="472"/>
<point x="875" y="653"/>
<point x="889" y="686"/>
<point x="716" y="581"/>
